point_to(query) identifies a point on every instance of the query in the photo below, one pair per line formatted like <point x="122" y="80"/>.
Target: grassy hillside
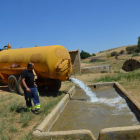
<point x="118" y="49"/>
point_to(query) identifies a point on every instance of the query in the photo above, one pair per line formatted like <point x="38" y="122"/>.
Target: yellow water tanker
<point x="52" y="64"/>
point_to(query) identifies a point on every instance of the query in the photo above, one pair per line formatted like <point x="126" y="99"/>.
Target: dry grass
<point x="115" y="64"/>
<point x="16" y="123"/>
<point x="118" y="49"/>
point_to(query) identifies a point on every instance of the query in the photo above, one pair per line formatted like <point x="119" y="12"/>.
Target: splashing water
<point x="85" y="88"/>
<point x="118" y="101"/>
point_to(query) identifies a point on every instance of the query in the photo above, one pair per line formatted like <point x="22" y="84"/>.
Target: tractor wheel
<point x="20" y="90"/>
<point x="55" y="86"/>
<point x="12" y="83"/>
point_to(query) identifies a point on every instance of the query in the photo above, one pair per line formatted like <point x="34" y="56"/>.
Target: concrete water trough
<point x="76" y="117"/>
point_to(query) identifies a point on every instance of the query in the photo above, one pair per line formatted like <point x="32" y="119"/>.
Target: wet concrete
<point x="110" y="111"/>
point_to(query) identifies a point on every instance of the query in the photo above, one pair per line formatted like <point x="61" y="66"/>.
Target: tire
<point x="20" y="90"/>
<point x="12" y="83"/>
<point x="56" y="85"/>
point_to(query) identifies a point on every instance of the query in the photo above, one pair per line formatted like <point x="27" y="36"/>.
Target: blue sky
<point x="89" y="25"/>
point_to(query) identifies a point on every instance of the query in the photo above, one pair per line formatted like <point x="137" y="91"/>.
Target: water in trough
<point x="94" y="109"/>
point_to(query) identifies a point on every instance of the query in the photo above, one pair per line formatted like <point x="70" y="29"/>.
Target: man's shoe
<point x="36" y="111"/>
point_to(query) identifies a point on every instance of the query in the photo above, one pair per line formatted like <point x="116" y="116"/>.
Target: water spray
<point x="85" y="88"/>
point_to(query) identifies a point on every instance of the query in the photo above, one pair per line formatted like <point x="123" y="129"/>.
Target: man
<point x="30" y="88"/>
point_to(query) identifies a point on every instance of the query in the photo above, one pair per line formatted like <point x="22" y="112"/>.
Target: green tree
<point x="133" y="49"/>
<point x="139" y="42"/>
<point x="84" y="54"/>
<point x="114" y="53"/>
<point x="122" y="51"/>
<point x="130" y="50"/>
<point x="136" y="49"/>
<point x="93" y="54"/>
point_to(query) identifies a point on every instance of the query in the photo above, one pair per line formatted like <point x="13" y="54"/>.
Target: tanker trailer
<point x="52" y="64"/>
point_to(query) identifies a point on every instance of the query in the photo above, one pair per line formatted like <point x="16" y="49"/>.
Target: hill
<point x="118" y="49"/>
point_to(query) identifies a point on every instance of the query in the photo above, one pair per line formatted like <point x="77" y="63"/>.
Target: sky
<point x="89" y="25"/>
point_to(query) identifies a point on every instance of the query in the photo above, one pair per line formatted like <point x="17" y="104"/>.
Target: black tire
<point x="20" y="90"/>
<point x="56" y="85"/>
<point x="12" y="83"/>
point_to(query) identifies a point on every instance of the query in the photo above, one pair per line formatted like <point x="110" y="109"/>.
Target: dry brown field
<point x="118" y="49"/>
<point x="17" y="124"/>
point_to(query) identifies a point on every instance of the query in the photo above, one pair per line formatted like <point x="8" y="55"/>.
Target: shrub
<point x="135" y="54"/>
<point x="97" y="60"/>
<point x="93" y="54"/>
<point x="122" y="52"/>
<point x="128" y="49"/>
<point x="136" y="49"/>
<point x="101" y="60"/>
<point x="104" y="71"/>
<point x="133" y="49"/>
<point x="93" y="60"/>
<point x="114" y="53"/>
<point x="129" y="52"/>
<point x="84" y="54"/>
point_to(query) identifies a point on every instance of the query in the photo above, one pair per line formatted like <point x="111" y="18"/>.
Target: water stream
<point x="86" y="89"/>
<point x="93" y="98"/>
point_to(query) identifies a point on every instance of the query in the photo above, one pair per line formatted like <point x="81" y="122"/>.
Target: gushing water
<point x="85" y="88"/>
<point x="118" y="101"/>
